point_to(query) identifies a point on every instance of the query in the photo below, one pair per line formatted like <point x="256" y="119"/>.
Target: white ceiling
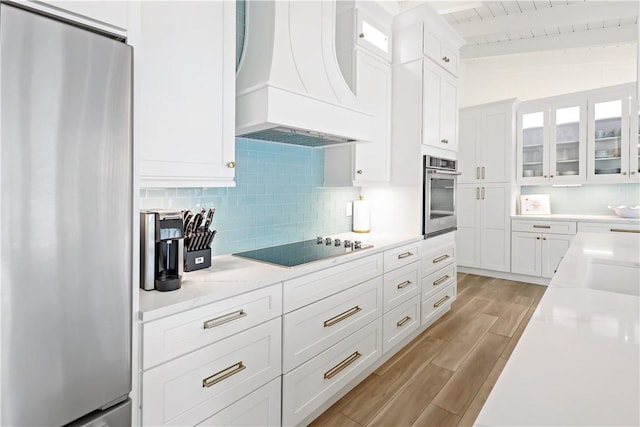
<point x="505" y="27"/>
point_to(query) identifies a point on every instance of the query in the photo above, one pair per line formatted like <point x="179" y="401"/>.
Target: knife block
<point x="197" y="260"/>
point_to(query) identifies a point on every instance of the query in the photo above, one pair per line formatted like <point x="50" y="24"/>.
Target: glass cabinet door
<point x="608" y="139"/>
<point x="532" y="146"/>
<point x="568" y="143"/>
<point x="634" y="142"/>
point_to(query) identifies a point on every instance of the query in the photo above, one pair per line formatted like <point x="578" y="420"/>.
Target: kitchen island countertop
<point x="231" y="275"/>
<point x="578" y="360"/>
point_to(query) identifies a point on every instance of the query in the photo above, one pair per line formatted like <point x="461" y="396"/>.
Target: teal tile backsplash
<point x="278" y="198"/>
<point x="588" y="199"/>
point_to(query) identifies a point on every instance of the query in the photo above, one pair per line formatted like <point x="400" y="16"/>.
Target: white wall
<point x="541" y="74"/>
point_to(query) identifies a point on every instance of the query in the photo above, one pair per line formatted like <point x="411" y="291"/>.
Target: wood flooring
<point x="444" y="376"/>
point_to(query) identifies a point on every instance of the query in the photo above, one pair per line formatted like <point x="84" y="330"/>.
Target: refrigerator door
<point x="66" y="200"/>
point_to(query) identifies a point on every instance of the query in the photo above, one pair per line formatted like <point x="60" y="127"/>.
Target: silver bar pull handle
<point x="221" y="320"/>
<point x="541" y="226"/>
<point x="477" y="193"/>
<point x="483" y="172"/>
<point x="340" y="317"/>
<point x="342" y="365"/>
<point x="482" y="193"/>
<point x="441" y="301"/>
<point x="444" y="141"/>
<point x="404" y="284"/>
<point x="403" y="321"/>
<point x="440" y="258"/>
<point x="477" y="172"/>
<point x="622" y="230"/>
<point x="441" y="280"/>
<point x="405" y="255"/>
<point x="223" y="374"/>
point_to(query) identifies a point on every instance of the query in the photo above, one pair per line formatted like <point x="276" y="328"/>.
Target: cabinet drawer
<point x="401" y="285"/>
<point x="316" y="327"/>
<point x="304" y="290"/>
<point x="438" y="280"/>
<point x="399" y="257"/>
<point x="599" y="227"/>
<point x="310" y="385"/>
<point x="438" y="303"/>
<point x="438" y="258"/>
<point x="259" y="408"/>
<point x="172" y="336"/>
<point x="400" y="323"/>
<point x="189" y="389"/>
<point x="551" y="227"/>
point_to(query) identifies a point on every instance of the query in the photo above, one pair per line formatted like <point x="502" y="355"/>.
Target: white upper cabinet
<point x="363" y="50"/>
<point x="587" y="137"/>
<point x="440" y="50"/>
<point x="185" y="93"/>
<point x="609" y="137"/>
<point x="486" y="143"/>
<point x="551" y="141"/>
<point x="439" y="121"/>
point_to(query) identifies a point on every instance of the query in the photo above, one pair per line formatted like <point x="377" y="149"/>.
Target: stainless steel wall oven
<point x="439" y="208"/>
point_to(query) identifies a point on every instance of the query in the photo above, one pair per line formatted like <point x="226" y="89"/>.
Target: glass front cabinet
<point x="591" y="137"/>
<point x="551" y="142"/>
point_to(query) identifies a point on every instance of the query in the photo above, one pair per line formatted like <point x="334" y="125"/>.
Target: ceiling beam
<point x="573" y="13"/>
<point x="594" y="37"/>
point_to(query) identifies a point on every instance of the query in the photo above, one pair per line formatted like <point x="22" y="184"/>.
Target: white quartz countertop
<point x="583" y="218"/>
<point x="231" y="275"/>
<point x="578" y="360"/>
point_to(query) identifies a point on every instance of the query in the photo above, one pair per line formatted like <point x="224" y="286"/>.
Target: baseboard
<point x="504" y="275"/>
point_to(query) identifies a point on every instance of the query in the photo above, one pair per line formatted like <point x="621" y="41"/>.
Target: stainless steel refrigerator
<point x="66" y="223"/>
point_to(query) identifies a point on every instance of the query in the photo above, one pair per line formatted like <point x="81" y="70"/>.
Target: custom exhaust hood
<point x="289" y="87"/>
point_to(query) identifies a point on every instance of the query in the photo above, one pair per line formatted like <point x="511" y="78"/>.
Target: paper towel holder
<point x="361" y="216"/>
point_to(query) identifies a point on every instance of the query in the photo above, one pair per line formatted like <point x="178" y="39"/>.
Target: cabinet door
<point x="439" y="124"/>
<point x="568" y="141"/>
<point x="526" y="251"/>
<point x="634" y="142"/>
<point x="532" y="142"/>
<point x="495" y="230"/>
<point x="608" y="138"/>
<point x="373" y="90"/>
<point x="496" y="149"/>
<point x="468" y="143"/>
<point x="372" y="35"/>
<point x="185" y="93"/>
<point x="554" y="246"/>
<point x="468" y="233"/>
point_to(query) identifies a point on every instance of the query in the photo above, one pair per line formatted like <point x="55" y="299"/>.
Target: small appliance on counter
<point x="197" y="239"/>
<point x="161" y="250"/>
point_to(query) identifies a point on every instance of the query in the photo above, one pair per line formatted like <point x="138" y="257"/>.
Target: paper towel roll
<point x="361" y="216"/>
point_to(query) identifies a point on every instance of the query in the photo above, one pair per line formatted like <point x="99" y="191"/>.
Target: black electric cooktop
<point x="294" y="254"/>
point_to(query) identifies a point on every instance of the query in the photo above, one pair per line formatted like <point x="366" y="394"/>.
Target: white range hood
<point x="289" y="87"/>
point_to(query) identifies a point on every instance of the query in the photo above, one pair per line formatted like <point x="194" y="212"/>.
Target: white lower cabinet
<point x="484" y="226"/>
<point x="536" y="253"/>
<point x="438" y="303"/>
<point x="314" y="328"/>
<point x="401" y="285"/>
<point x="259" y="408"/>
<point x="191" y="388"/>
<point x="400" y="322"/>
<point x="313" y="383"/>
<point x="439" y="282"/>
<point x="606" y="227"/>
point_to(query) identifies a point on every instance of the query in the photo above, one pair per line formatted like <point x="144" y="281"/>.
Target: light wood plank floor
<point x="444" y="376"/>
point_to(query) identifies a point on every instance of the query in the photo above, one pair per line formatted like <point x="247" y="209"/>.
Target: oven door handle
<point x="444" y="172"/>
